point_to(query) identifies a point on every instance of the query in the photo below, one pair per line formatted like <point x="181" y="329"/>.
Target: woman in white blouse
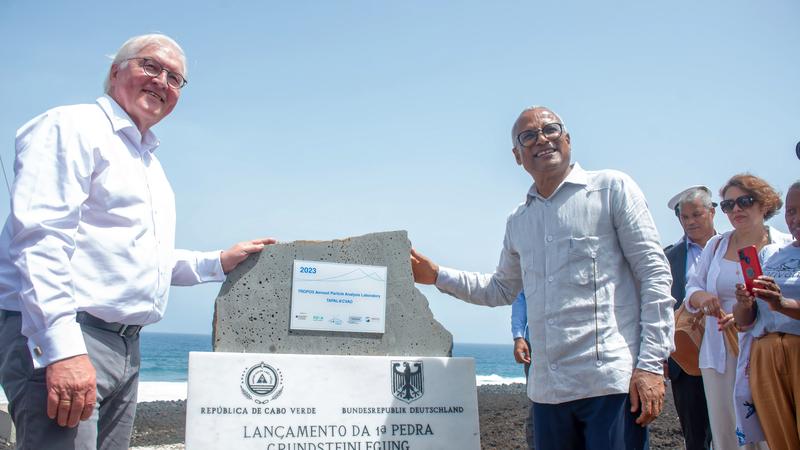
<point x="748" y="201"/>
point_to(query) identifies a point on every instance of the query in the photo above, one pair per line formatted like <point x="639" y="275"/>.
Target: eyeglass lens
<point x="745" y="201"/>
<point x="154" y="69"/>
<point x="550" y="132"/>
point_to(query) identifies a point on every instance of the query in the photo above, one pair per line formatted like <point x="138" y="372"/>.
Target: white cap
<point x="673" y="202"/>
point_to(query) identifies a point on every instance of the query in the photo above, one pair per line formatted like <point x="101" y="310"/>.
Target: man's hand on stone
<point x="71" y="390"/>
<point x="425" y="271"/>
<point x="521" y="354"/>
<point x="646" y="394"/>
<point x="231" y="257"/>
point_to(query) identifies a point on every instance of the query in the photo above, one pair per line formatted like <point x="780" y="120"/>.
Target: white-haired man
<point x="585" y="250"/>
<point x="87" y="255"/>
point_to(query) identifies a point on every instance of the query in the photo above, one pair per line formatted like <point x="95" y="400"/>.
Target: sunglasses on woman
<point x="745" y="201"/>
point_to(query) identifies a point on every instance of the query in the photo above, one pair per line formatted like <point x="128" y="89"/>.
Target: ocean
<point x="165" y="361"/>
<point x="165" y="358"/>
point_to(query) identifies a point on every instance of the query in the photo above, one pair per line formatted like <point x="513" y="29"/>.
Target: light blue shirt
<point x="783" y="264"/>
<point x="693" y="252"/>
<point x="519" y="317"/>
<point x="596" y="281"/>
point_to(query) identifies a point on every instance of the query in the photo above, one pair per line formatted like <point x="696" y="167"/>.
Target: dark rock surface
<point x="502" y="411"/>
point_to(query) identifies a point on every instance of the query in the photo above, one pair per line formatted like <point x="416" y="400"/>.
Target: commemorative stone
<point x="254" y="311"/>
<point x="328" y="345"/>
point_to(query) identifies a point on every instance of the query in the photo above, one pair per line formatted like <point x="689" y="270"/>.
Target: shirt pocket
<point x="582" y="260"/>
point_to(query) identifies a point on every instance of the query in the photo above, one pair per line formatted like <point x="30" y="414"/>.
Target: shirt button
<point x="598" y="363"/>
<point x="553" y="366"/>
<point x="550" y="279"/>
<point x="547" y="202"/>
<point x="550" y="321"/>
<point x="549" y="238"/>
<point x="38" y="351"/>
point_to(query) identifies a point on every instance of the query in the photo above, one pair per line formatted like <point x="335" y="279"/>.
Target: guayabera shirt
<point x="596" y="281"/>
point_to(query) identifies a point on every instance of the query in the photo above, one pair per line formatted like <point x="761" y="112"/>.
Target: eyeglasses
<point x="745" y="201"/>
<point x="153" y="68"/>
<point x="551" y="132"/>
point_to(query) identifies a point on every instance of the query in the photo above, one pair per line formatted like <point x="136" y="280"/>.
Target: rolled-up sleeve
<point x="641" y="246"/>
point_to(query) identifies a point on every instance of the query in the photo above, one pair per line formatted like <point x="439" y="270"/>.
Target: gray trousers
<point x="116" y="360"/>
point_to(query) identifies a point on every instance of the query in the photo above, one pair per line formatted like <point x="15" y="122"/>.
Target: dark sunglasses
<point x="745" y="201"/>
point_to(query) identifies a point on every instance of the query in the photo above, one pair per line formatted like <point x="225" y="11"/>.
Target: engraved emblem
<point x="262" y="383"/>
<point x="407" y="380"/>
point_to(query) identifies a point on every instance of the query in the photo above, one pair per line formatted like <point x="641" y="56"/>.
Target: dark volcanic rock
<point x="159" y="423"/>
<point x="502" y="411"/>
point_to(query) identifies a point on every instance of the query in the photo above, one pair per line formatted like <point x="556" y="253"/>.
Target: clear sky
<point x="328" y="119"/>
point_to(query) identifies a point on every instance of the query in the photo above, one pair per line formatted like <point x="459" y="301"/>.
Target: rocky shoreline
<point x="502" y="410"/>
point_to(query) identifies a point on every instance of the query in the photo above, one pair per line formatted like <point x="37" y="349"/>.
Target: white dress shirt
<point x="91" y="228"/>
<point x="596" y="282"/>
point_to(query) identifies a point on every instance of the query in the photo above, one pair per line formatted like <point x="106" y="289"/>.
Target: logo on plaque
<point x="262" y="383"/>
<point x="407" y="381"/>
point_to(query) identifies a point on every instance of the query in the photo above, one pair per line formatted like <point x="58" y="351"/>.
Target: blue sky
<point x="322" y="120"/>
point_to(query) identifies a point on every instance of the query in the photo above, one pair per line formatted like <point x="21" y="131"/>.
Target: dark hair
<point x="764" y="194"/>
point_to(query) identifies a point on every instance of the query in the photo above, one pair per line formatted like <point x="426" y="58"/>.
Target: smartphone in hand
<point x="751" y="267"/>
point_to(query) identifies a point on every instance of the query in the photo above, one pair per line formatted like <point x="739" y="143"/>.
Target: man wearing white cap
<point x="695" y="211"/>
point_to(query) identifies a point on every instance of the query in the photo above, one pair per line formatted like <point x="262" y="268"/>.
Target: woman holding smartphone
<point x="772" y="319"/>
<point x="748" y="201"/>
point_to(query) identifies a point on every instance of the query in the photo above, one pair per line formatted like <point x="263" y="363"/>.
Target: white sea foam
<point x="153" y="391"/>
<point x="493" y="379"/>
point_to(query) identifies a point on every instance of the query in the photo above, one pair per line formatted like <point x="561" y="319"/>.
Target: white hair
<point x="533" y="108"/>
<point x="697" y="193"/>
<point x="134" y="45"/>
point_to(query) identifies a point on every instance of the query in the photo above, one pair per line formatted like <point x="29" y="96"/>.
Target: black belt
<point x="114" y="327"/>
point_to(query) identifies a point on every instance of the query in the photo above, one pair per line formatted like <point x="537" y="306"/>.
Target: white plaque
<point x="338" y="297"/>
<point x="289" y="402"/>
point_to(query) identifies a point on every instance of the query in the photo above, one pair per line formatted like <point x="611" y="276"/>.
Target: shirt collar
<point x="122" y="123"/>
<point x="576" y="176"/>
<point x="690" y="242"/>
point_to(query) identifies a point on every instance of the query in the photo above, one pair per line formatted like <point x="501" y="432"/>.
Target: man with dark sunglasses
<point x="695" y="211"/>
<point x="585" y="250"/>
<point x="88" y="254"/>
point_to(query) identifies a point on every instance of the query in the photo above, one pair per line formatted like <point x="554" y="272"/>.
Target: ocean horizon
<point x="165" y="359"/>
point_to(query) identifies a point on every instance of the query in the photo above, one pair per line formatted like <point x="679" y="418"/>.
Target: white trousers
<point x="719" y="397"/>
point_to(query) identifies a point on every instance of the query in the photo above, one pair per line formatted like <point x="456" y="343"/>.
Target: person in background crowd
<point x="522" y="349"/>
<point x="748" y="201"/>
<point x="695" y="211"/>
<point x="771" y="315"/>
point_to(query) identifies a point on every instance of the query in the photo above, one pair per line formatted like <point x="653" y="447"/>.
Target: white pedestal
<point x="293" y="402"/>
